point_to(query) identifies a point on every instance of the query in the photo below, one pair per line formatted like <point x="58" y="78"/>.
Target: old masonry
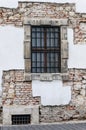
<point x="47" y="90"/>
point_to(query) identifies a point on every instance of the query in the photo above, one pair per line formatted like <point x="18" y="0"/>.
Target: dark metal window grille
<point x="20" y="119"/>
<point x="45" y="47"/>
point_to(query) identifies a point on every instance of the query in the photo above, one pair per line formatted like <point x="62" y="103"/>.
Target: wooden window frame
<point x="45" y="50"/>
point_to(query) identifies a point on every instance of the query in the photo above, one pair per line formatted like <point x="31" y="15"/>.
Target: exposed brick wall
<point x="16" y="91"/>
<point x="76" y="109"/>
<point x="45" y="10"/>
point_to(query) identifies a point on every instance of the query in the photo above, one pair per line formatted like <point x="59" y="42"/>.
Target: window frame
<point x="21" y="119"/>
<point x="46" y="50"/>
<point x="62" y="23"/>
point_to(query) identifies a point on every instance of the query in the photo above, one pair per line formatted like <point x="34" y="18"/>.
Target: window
<point x="45" y="49"/>
<point x="20" y="119"/>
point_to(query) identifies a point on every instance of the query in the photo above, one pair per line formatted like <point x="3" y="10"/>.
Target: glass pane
<point x="38" y="70"/>
<point x="52" y="70"/>
<point x="42" y="70"/>
<point x="33" y="29"/>
<point x="42" y="43"/>
<point x="56" y="64"/>
<point x="56" y="35"/>
<point x="48" y="70"/>
<point x="38" y="29"/>
<point x="51" y="29"/>
<point x="56" y="29"/>
<point x="48" y="42"/>
<point x="56" y="57"/>
<point x="42" y="64"/>
<point x="33" y="42"/>
<point x="33" y="64"/>
<point x="57" y="70"/>
<point x="33" y="56"/>
<point x="48" y="34"/>
<point x="52" y="64"/>
<point x="38" y="56"/>
<point x="38" y="34"/>
<point x="33" y="34"/>
<point x="38" y="42"/>
<point x="52" y="35"/>
<point x="56" y="42"/>
<point x="42" y="34"/>
<point x="33" y="70"/>
<point x="48" y="57"/>
<point x="42" y="57"/>
<point x="38" y="64"/>
<point x="52" y="42"/>
<point x="48" y="30"/>
<point x="52" y="57"/>
<point x="48" y="64"/>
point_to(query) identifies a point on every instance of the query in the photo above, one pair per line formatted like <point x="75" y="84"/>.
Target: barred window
<point x="20" y="119"/>
<point x="45" y="49"/>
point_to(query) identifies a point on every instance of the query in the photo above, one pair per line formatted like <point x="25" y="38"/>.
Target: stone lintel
<point x="55" y="22"/>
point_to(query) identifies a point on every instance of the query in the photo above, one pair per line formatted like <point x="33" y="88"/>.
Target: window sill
<point x="46" y="76"/>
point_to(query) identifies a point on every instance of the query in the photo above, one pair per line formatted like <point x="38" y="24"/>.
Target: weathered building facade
<point x="50" y="88"/>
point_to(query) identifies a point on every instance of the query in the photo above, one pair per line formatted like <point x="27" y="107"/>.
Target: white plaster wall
<point x="11" y="48"/>
<point x="77" y="53"/>
<point x="80" y="5"/>
<point x="52" y="93"/>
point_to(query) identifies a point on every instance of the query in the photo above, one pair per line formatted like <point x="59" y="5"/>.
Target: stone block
<point x="57" y="76"/>
<point x="83" y="92"/>
<point x="27" y="50"/>
<point x="27" y="29"/>
<point x="64" y="66"/>
<point x="65" y="76"/>
<point x="64" y="49"/>
<point x="46" y="77"/>
<point x="28" y="77"/>
<point x="27" y="65"/>
<point x="35" y="76"/>
<point x="63" y="33"/>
